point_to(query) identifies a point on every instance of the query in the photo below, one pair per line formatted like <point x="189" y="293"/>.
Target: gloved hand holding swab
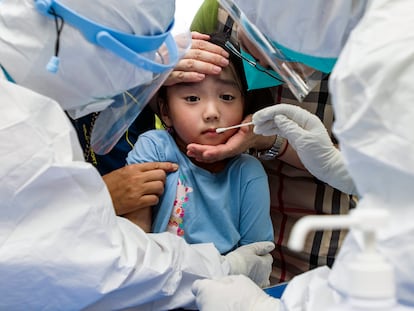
<point x="223" y="129"/>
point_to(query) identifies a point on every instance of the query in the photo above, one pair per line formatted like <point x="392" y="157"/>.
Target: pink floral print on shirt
<point x="176" y="222"/>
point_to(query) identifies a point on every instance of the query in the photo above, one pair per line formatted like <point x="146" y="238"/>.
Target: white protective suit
<point x="61" y="245"/>
<point x="372" y="88"/>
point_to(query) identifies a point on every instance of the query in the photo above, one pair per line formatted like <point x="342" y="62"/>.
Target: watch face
<point x="266" y="157"/>
<point x="274" y="151"/>
<point x="268" y="154"/>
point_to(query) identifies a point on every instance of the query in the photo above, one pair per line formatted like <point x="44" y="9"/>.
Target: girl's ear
<point x="164" y="116"/>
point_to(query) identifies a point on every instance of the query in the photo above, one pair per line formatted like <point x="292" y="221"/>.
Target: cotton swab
<point x="223" y="129"/>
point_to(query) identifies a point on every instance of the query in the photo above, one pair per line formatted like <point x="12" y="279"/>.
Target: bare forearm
<point x="141" y="218"/>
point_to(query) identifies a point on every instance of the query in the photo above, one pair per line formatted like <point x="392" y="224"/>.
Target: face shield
<point x="115" y="120"/>
<point x="154" y="56"/>
<point x="300" y="78"/>
<point x="299" y="39"/>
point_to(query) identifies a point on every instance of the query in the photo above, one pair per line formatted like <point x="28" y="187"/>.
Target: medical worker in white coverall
<point x="370" y="45"/>
<point x="61" y="245"/>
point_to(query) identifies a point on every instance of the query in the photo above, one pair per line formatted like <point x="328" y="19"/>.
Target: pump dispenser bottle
<point x="372" y="278"/>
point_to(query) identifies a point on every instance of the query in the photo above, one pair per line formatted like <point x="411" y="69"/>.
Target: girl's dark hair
<point x="220" y="39"/>
<point x="254" y="100"/>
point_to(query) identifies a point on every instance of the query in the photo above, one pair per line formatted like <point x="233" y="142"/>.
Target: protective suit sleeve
<point x="61" y="244"/>
<point x="303" y="292"/>
<point x="234" y="292"/>
<point x="309" y="137"/>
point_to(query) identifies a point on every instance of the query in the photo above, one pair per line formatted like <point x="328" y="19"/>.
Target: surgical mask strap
<point x="124" y="45"/>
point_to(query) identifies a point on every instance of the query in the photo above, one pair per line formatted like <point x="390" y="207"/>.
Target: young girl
<point x="224" y="202"/>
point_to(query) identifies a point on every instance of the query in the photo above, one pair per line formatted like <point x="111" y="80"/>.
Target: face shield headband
<point x="124" y="45"/>
<point x="156" y="55"/>
<point x="300" y="78"/>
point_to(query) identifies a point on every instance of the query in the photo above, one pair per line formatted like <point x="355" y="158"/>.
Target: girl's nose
<point x="211" y="117"/>
<point x="211" y="112"/>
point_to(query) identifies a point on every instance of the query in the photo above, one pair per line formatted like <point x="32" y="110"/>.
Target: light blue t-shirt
<point x="230" y="208"/>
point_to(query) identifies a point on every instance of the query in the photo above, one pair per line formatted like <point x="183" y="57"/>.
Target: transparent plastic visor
<point x="300" y="78"/>
<point x="113" y="122"/>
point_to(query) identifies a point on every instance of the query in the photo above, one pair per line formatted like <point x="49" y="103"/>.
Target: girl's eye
<point x="192" y="98"/>
<point x="227" y="97"/>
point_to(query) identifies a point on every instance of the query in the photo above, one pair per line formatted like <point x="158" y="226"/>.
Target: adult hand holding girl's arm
<point x="137" y="186"/>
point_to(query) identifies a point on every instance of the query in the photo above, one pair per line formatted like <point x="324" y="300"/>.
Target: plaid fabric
<point x="295" y="193"/>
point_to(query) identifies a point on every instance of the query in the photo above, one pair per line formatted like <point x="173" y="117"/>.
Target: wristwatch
<point x="274" y="151"/>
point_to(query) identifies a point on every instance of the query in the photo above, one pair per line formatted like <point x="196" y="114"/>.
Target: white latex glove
<point x="253" y="260"/>
<point x="309" y="137"/>
<point x="234" y="292"/>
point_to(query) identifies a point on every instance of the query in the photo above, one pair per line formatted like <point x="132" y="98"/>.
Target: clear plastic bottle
<point x="372" y="278"/>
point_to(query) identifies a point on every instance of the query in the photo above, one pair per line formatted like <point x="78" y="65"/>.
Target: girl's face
<point x="195" y="110"/>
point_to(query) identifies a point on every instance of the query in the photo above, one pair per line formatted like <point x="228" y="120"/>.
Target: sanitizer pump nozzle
<point x="372" y="277"/>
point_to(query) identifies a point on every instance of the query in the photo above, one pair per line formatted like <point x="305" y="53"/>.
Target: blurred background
<point x="184" y="14"/>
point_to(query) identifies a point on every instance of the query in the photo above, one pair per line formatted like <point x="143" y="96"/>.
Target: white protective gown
<point x="372" y="87"/>
<point x="373" y="93"/>
<point x="61" y="245"/>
